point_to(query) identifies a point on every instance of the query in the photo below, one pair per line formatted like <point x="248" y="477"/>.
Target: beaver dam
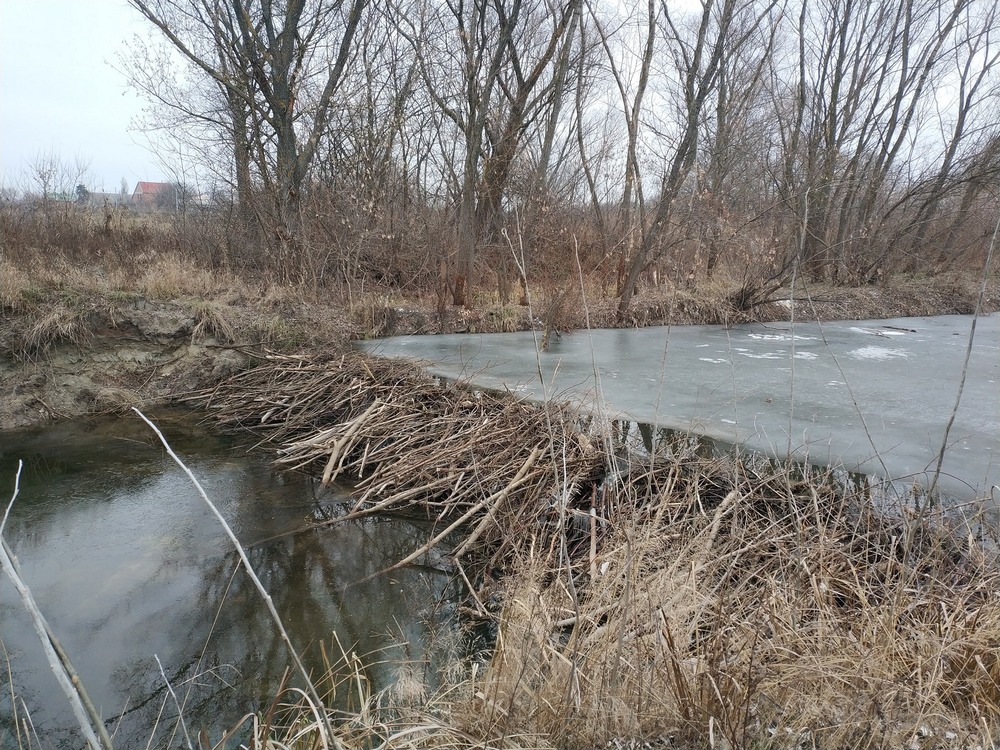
<point x="657" y="596"/>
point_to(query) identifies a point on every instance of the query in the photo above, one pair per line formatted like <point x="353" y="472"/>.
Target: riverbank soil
<point x="74" y="341"/>
<point x="78" y="339"/>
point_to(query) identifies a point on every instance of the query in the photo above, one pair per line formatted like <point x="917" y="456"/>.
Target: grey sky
<point x="59" y="92"/>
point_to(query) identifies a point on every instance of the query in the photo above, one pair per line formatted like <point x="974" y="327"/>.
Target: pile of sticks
<point x="497" y="475"/>
<point x="482" y="462"/>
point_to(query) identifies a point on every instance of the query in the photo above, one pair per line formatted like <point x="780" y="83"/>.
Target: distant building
<point x="99" y="199"/>
<point x="153" y="195"/>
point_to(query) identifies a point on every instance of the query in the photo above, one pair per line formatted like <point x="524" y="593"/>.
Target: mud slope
<point x="70" y="362"/>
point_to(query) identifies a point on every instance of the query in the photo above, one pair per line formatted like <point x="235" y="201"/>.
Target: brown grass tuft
<point x="216" y="319"/>
<point x="13" y="285"/>
<point x="59" y="324"/>
<point x="169" y="277"/>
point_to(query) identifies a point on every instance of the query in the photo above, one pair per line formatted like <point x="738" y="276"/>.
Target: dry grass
<point x="13" y="285"/>
<point x="170" y="277"/>
<point x="780" y="614"/>
<point x="774" y="615"/>
<point x="61" y="323"/>
<point x="162" y="276"/>
<point x="26" y="287"/>
<point x="215" y="319"/>
<point x="46" y="304"/>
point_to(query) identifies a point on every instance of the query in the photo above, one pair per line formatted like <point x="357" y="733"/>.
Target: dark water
<point x="128" y="565"/>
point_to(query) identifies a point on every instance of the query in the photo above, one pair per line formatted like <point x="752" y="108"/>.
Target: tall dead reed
<point x="757" y="611"/>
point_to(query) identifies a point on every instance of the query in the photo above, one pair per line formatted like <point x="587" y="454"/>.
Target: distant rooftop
<point x="147" y="191"/>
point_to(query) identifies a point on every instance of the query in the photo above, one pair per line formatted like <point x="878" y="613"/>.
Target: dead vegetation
<point x="59" y="303"/>
<point x="636" y="598"/>
<point x="651" y="597"/>
<point x="408" y="442"/>
<point x="59" y="324"/>
<point x="768" y="615"/>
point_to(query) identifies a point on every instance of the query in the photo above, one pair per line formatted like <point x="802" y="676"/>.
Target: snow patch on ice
<point x="878" y="353"/>
<point x="779" y="337"/>
<point x="764" y="355"/>
<point x="877" y="331"/>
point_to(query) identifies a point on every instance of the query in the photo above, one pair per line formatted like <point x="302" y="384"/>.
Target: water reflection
<point x="128" y="565"/>
<point x="630" y="439"/>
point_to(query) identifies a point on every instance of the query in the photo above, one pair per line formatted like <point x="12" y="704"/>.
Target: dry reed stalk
<point x="87" y="716"/>
<point x="324" y="729"/>
<point x="410" y="442"/>
<point x="761" y="616"/>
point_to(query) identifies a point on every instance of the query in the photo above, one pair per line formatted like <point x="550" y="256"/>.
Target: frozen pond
<point x="872" y="395"/>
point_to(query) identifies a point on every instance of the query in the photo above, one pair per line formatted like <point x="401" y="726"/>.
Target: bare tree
<point x="492" y="68"/>
<point x="976" y="56"/>
<point x="763" y="133"/>
<point x="631" y="91"/>
<point x="697" y="57"/>
<point x="855" y="138"/>
<point x="277" y="69"/>
<point x="55" y="177"/>
<point x="736" y="138"/>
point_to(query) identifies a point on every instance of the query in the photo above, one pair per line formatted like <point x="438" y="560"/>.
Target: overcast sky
<point x="59" y="92"/>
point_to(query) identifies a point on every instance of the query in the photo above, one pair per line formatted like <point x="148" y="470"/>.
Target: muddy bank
<point x="144" y="353"/>
<point x="73" y="352"/>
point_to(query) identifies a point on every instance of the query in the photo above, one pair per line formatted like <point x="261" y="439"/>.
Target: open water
<point x="128" y="566"/>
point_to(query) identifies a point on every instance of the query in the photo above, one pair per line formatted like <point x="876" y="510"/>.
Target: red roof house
<point x="150" y="193"/>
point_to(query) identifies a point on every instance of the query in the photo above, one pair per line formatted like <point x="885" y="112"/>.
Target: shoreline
<point x="763" y="599"/>
<point x="70" y="352"/>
